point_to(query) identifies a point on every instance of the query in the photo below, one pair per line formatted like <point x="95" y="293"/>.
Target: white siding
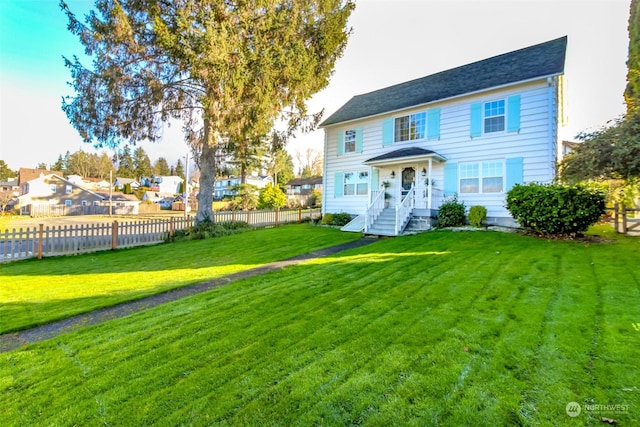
<point x="535" y="142"/>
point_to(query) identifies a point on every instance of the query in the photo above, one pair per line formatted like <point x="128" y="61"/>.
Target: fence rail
<point x="40" y="241"/>
<point x="621" y="221"/>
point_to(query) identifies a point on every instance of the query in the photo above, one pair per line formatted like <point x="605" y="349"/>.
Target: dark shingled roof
<point x="541" y="60"/>
<point x="403" y="152"/>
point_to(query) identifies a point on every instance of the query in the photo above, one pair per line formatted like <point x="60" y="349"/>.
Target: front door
<point x="408" y="180"/>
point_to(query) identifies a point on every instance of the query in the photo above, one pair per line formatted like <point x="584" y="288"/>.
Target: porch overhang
<point x="404" y="156"/>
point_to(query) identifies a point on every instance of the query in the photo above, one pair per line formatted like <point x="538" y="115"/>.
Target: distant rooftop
<point x="538" y="61"/>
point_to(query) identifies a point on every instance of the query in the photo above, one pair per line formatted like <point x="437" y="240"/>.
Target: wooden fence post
<point x="40" y="240"/>
<point x="615" y="216"/>
<point x="299" y="213"/>
<point x="114" y="235"/>
<point x="171" y="228"/>
<point x="277" y="215"/>
<point x="624" y="219"/>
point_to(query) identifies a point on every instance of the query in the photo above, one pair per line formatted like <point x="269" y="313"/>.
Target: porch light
<point x="424" y="172"/>
<point x="393" y="174"/>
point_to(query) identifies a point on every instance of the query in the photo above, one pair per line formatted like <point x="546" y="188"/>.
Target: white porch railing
<point x="374" y="209"/>
<point x="437" y="198"/>
<point x="404" y="209"/>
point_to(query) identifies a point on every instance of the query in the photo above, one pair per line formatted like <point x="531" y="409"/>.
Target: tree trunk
<point x="207" y="163"/>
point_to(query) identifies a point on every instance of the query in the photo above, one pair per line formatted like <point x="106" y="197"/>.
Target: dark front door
<point x="408" y="179"/>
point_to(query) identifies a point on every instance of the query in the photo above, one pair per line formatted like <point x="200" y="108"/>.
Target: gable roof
<point x="302" y="181"/>
<point x="538" y="61"/>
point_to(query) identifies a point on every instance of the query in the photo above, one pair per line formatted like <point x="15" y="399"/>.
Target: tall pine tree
<point x="226" y="70"/>
<point x="632" y="92"/>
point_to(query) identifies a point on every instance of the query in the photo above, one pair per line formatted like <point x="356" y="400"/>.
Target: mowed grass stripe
<point x="375" y="336"/>
<point x="35" y="292"/>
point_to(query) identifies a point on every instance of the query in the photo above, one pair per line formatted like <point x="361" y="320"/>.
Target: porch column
<point x="429" y="186"/>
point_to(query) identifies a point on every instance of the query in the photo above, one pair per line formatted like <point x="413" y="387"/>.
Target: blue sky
<point x="393" y="41"/>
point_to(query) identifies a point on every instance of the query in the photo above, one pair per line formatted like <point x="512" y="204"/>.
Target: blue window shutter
<point x="387" y="131"/>
<point x="433" y="123"/>
<point x="513" y="113"/>
<point x="375" y="179"/>
<point x="450" y="179"/>
<point x="359" y="139"/>
<point x="476" y="119"/>
<point x="340" y="146"/>
<point x="515" y="172"/>
<point x="338" y="190"/>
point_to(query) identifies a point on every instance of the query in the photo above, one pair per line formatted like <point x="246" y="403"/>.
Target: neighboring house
<point x="52" y="194"/>
<point x="122" y="204"/>
<point x="93" y="184"/>
<point x="568" y="147"/>
<point x="299" y="190"/>
<point x="474" y="131"/>
<point x="120" y="183"/>
<point x="225" y="187"/>
<point x="158" y="197"/>
<point x="10" y="186"/>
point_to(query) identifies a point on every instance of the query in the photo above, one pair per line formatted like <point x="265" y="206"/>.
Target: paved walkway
<point x="12" y="341"/>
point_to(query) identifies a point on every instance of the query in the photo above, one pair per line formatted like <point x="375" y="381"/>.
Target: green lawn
<point x="38" y="291"/>
<point x="442" y="328"/>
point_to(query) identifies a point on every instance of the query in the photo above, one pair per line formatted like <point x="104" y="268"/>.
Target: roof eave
<point x="404" y="160"/>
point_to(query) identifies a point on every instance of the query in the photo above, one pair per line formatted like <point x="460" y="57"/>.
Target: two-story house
<point x="472" y="131"/>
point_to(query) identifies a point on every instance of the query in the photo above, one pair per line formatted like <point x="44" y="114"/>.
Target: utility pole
<point x="186" y="185"/>
<point x="110" y="191"/>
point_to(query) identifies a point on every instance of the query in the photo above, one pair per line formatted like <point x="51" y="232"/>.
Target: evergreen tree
<point x="6" y="172"/>
<point x="161" y="167"/>
<point x="126" y="169"/>
<point x="226" y="70"/>
<point x="59" y="165"/>
<point x="179" y="170"/>
<point x="632" y="92"/>
<point x="141" y="163"/>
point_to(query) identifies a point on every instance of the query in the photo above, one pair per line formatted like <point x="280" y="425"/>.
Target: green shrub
<point x="451" y="213"/>
<point x="338" y="219"/>
<point x="327" y="219"/>
<point x="555" y="209"/>
<point x="477" y="215"/>
<point x="207" y="229"/>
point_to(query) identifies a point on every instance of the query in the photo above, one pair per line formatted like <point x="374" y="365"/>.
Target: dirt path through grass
<point x="12" y="341"/>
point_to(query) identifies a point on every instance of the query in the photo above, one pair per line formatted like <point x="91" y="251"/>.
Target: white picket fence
<point x="41" y="241"/>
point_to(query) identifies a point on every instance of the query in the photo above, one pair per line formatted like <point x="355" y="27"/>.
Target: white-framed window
<point x="494" y="116"/>
<point x="96" y="203"/>
<point x="350" y="141"/>
<point x="482" y="177"/>
<point x="67" y="202"/>
<point x="492" y="177"/>
<point x="84" y="203"/>
<point x="68" y="189"/>
<point x="411" y="127"/>
<point x="53" y="188"/>
<point x="356" y="183"/>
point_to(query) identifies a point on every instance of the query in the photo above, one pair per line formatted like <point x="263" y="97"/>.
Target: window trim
<point x="352" y="137"/>
<point x="481" y="167"/>
<point x="358" y="181"/>
<point x="503" y="115"/>
<point x="423" y="119"/>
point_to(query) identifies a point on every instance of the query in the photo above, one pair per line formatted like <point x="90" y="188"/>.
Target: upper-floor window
<point x="350" y="141"/>
<point x="411" y="127"/>
<point x="68" y="189"/>
<point x="494" y="116"/>
<point x="53" y="188"/>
